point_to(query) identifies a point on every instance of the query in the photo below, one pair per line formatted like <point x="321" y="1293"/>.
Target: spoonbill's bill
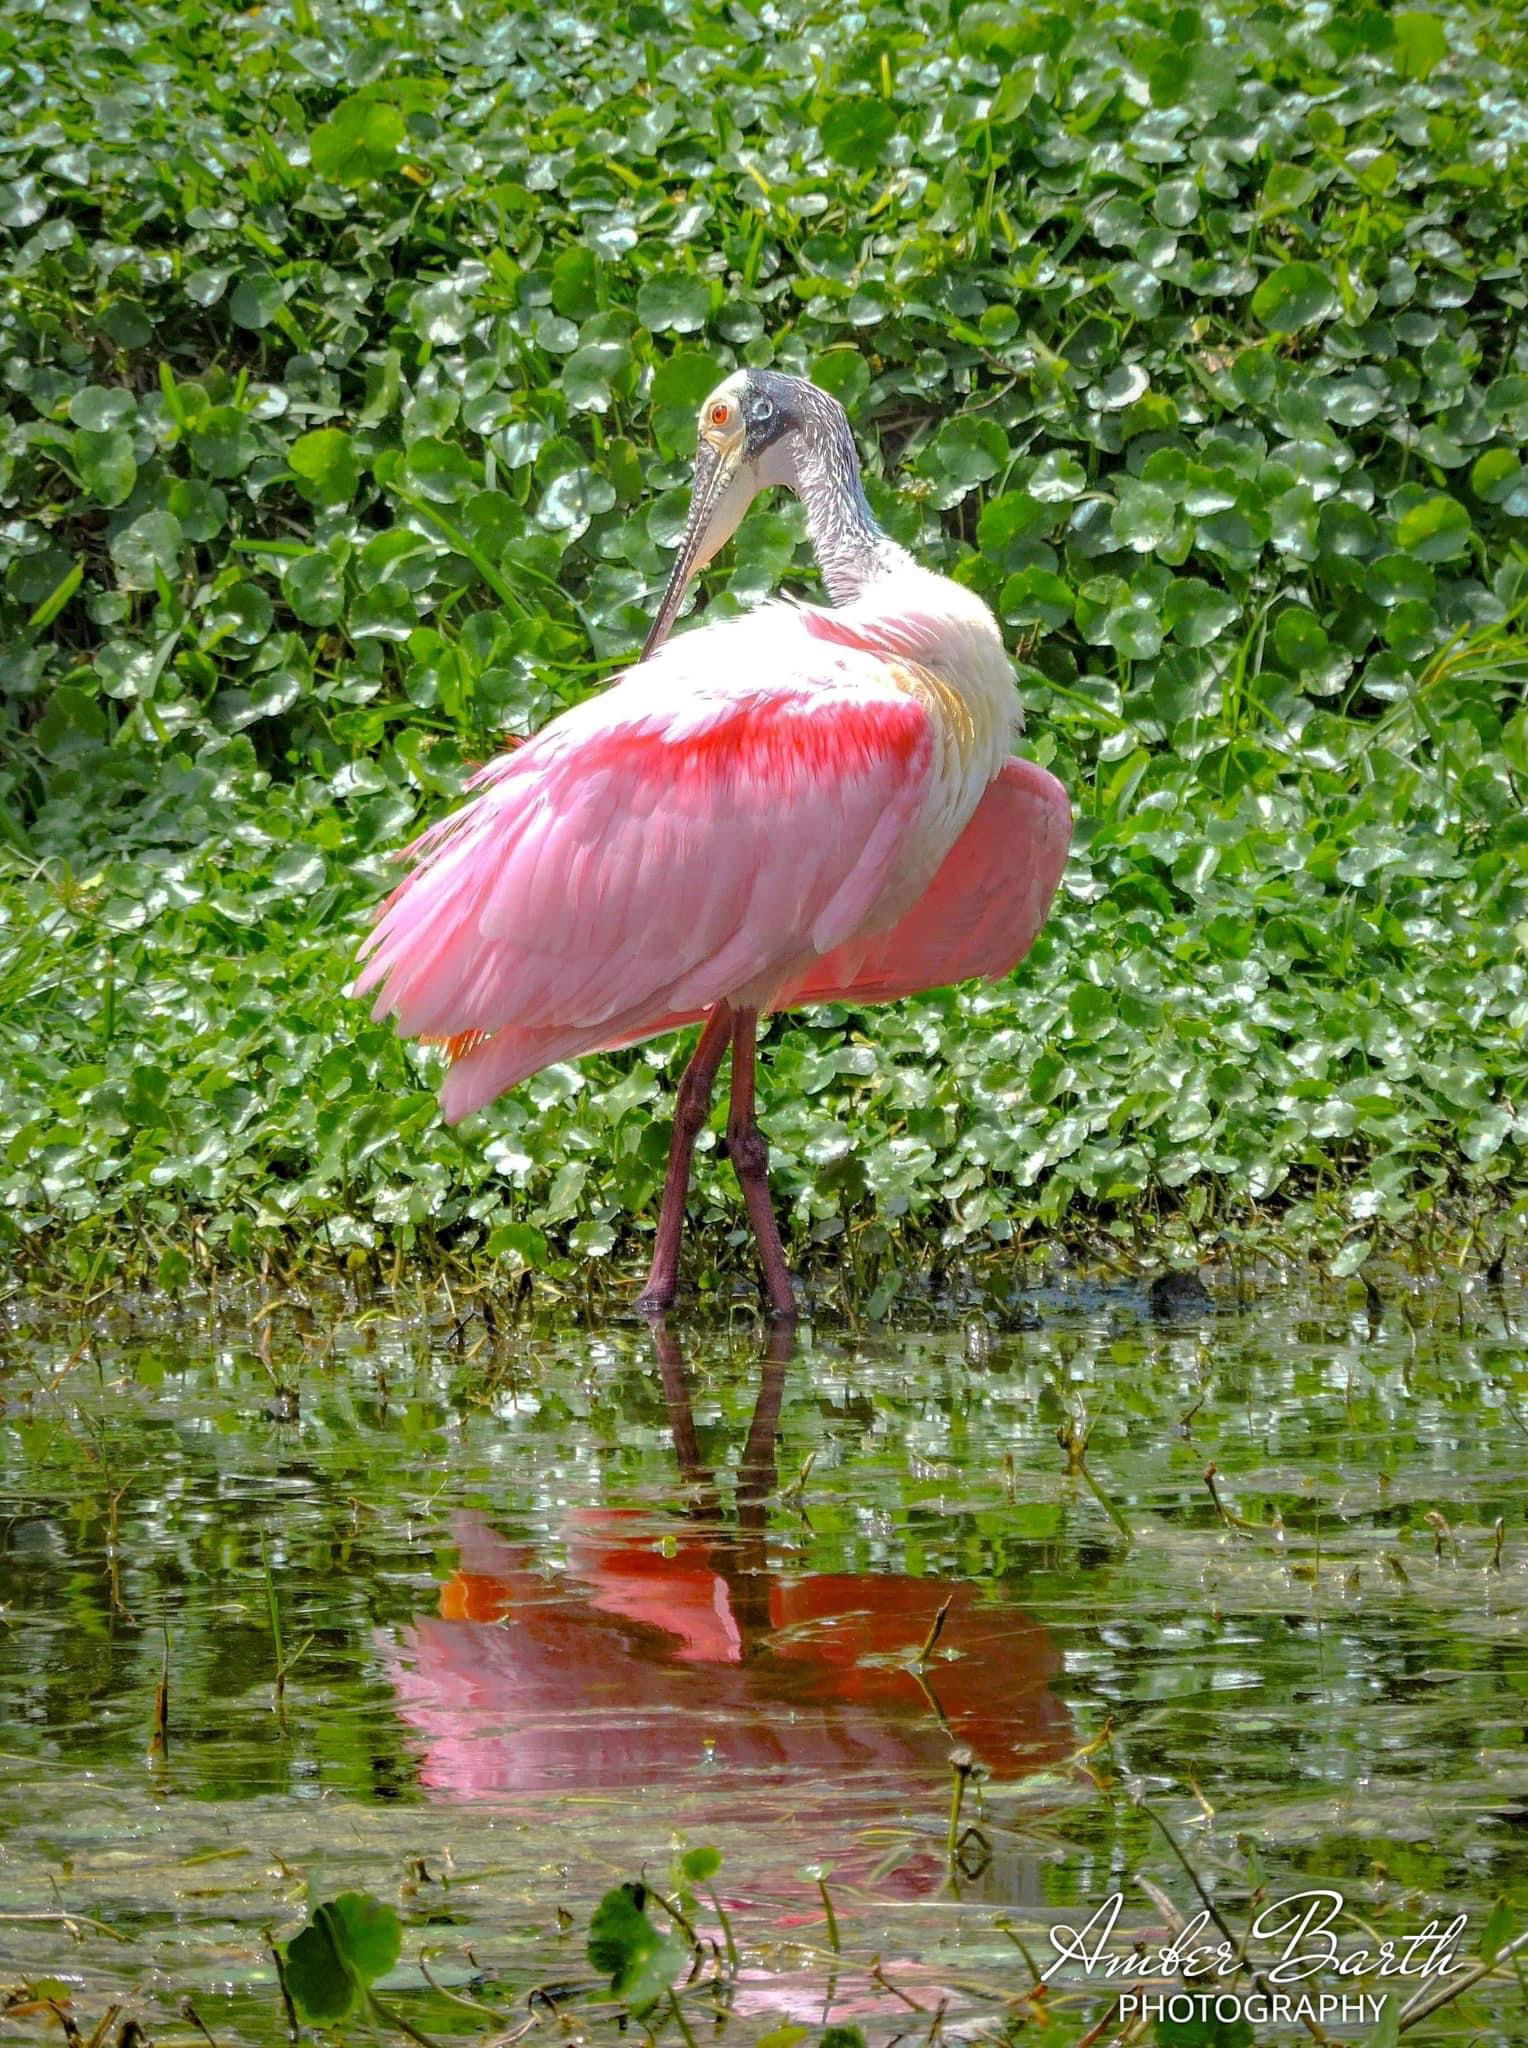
<point x="798" y="805"/>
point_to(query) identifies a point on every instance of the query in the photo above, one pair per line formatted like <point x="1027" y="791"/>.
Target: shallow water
<point x="555" y="1602"/>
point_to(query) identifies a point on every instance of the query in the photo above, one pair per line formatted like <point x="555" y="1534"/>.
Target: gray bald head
<point x="761" y="428"/>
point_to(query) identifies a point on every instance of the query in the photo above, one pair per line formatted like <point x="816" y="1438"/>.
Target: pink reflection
<point x="664" y="1654"/>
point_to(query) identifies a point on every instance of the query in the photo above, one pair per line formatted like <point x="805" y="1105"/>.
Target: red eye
<point x="720" y="414"/>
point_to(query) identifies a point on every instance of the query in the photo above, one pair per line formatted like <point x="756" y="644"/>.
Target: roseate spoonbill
<point x="795" y="806"/>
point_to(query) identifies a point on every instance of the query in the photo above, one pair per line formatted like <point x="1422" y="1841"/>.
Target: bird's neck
<point x="851" y="550"/>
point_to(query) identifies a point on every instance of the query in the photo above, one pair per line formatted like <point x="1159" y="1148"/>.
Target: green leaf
<point x="699" y="1864"/>
<point x="1352" y="1255"/>
<point x="1421" y="42"/>
<point x="348" y="1943"/>
<point x="1300" y="640"/>
<point x="1055" y="478"/>
<point x="57" y="598"/>
<point x="1036" y="597"/>
<point x="441" y="471"/>
<point x="575" y="287"/>
<point x="1293" y="296"/>
<point x="243" y="612"/>
<point x="856" y="131"/>
<point x="521" y="1246"/>
<point x="591" y="375"/>
<point x="148" y="548"/>
<point x="1144" y="516"/>
<point x="102" y="407"/>
<point x="440" y="314"/>
<point x="1196" y="613"/>
<point x="1287" y="188"/>
<point x="314" y="589"/>
<point x="325" y="465"/>
<point x="222" y="441"/>
<point x="680" y="384"/>
<point x="256" y="300"/>
<point x="1436" y="530"/>
<point x="674" y="302"/>
<point x="844" y="374"/>
<point x="625" y="1947"/>
<point x="359" y="142"/>
<point x="1176" y="202"/>
<point x="106" y="465"/>
<point x="968" y="451"/>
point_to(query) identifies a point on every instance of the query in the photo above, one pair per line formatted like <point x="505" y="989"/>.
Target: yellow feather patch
<point x="457" y="1048"/>
<point x="949" y="708"/>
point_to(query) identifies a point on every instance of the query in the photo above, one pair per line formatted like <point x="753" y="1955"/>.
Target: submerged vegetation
<point x="351" y="358"/>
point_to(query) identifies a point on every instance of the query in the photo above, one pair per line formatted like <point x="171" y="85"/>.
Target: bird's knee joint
<point x="691" y="1108"/>
<point x="748" y="1149"/>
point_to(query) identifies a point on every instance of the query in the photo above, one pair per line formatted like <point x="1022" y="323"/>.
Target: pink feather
<point x="722" y="823"/>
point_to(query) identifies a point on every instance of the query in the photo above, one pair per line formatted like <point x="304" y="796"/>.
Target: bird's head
<point x="752" y="432"/>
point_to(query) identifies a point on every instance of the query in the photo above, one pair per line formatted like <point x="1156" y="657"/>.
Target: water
<point x="554" y="1602"/>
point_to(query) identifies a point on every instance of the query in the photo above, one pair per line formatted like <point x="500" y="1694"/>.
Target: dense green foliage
<point x="352" y="357"/>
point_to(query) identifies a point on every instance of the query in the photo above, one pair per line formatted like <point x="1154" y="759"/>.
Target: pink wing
<point x="653" y="851"/>
<point x="979" y="915"/>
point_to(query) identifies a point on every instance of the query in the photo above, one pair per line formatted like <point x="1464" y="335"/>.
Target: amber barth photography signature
<point x="1291" y="1952"/>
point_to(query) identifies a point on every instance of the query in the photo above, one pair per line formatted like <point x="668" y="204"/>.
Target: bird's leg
<point x="691" y="1109"/>
<point x="750" y="1155"/>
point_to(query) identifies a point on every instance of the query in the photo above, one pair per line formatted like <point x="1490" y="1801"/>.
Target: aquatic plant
<point x="351" y="361"/>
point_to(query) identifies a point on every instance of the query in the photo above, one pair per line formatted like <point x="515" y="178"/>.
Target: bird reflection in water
<point x="676" y="1653"/>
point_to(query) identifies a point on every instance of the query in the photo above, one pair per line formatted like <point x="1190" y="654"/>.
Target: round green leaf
<point x="1144" y="515"/>
<point x="1421" y="43"/>
<point x="314" y="590"/>
<point x="590" y="373"/>
<point x="625" y="1946"/>
<point x="360" y="141"/>
<point x="102" y="406"/>
<point x="1195" y="612"/>
<point x="1036" y="597"/>
<point x="1436" y="530"/>
<point x="1300" y="640"/>
<point x="575" y="292"/>
<point x="679" y="386"/>
<point x="967" y="451"/>
<point x="844" y="373"/>
<point x="243" y="611"/>
<point x="324" y="463"/>
<point x="674" y="302"/>
<point x="150" y="543"/>
<point x="346" y="1946"/>
<point x="1287" y="188"/>
<point x="256" y="300"/>
<point x="439" y="314"/>
<point x="440" y="470"/>
<point x="1056" y="478"/>
<point x="1293" y="296"/>
<point x="856" y="131"/>
<point x="222" y="441"/>
<point x="106" y="464"/>
<point x="1176" y="202"/>
<point x="1120" y="387"/>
